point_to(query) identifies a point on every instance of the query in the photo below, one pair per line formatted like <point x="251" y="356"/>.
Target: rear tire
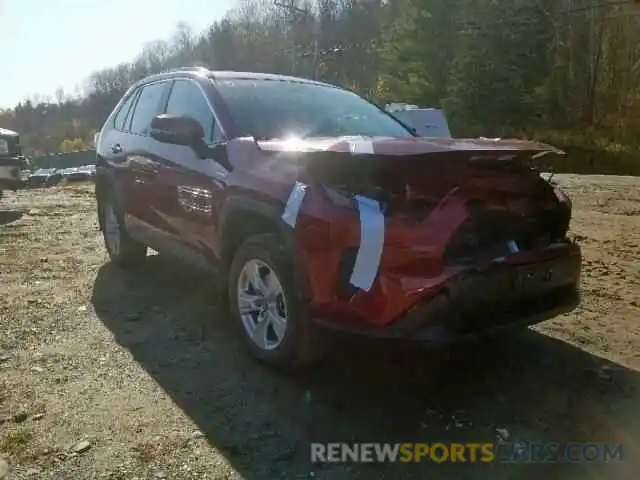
<point x="273" y="322"/>
<point x="123" y="250"/>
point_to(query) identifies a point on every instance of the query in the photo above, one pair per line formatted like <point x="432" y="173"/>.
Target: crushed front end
<point x="432" y="240"/>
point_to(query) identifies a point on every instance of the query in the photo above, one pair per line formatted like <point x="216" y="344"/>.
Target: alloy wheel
<point x="262" y="304"/>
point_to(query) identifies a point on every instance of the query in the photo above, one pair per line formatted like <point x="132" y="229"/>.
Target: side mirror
<point x="177" y="130"/>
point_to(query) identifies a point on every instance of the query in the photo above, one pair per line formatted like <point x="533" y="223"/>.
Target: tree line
<point x="566" y="71"/>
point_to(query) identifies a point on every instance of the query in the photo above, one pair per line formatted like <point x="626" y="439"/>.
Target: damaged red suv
<point x="319" y="209"/>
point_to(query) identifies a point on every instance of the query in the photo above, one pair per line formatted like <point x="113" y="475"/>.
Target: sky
<point x="48" y="44"/>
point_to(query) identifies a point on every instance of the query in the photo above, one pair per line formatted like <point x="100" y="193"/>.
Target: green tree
<point x="418" y="51"/>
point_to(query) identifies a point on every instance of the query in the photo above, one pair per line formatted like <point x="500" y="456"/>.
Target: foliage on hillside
<point x="567" y="71"/>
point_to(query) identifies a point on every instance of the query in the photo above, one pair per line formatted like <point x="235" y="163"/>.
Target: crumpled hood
<point x="407" y="146"/>
<point x="385" y="168"/>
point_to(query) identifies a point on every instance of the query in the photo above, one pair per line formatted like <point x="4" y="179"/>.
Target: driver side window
<point x="186" y="99"/>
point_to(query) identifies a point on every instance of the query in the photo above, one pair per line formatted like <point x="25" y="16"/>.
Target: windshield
<point x="267" y="109"/>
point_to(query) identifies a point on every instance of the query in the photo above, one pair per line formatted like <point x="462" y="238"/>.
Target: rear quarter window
<point x="120" y="119"/>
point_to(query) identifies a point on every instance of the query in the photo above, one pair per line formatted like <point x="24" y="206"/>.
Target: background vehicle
<point x="427" y="122"/>
<point x="11" y="161"/>
<point x="74" y="174"/>
<point x="88" y="172"/>
<point x="318" y="208"/>
<point x="79" y="174"/>
<point x="44" y="177"/>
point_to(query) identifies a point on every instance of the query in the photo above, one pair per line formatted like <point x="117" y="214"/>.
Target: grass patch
<point x="16" y="441"/>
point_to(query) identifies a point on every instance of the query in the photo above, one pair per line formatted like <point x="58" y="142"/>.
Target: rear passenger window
<point x="147" y="107"/>
<point x="123" y="113"/>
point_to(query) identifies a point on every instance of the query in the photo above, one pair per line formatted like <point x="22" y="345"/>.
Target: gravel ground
<point x="106" y="374"/>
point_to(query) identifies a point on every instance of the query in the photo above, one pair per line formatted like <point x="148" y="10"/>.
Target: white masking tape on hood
<point x="290" y="214"/>
<point x="359" y="145"/>
<point x="371" y="243"/>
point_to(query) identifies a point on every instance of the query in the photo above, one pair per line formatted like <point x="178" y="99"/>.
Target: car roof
<point x="201" y="72"/>
<point x="7" y="132"/>
<point x="229" y="75"/>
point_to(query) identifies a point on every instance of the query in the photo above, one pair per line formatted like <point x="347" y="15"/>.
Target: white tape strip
<point x="371" y="243"/>
<point x="290" y="214"/>
<point x="359" y="145"/>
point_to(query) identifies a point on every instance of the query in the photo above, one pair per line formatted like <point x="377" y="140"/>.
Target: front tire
<point x="123" y="250"/>
<point x="266" y="306"/>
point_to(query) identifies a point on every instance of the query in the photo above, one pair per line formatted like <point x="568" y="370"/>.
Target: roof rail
<point x="187" y="69"/>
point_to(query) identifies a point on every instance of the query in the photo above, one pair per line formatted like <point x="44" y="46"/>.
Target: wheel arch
<point x="104" y="185"/>
<point x="243" y="217"/>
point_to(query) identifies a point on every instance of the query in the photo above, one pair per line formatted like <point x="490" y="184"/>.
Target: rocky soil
<point x="106" y="374"/>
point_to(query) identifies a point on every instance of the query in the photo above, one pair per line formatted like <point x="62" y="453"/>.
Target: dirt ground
<point x="106" y="374"/>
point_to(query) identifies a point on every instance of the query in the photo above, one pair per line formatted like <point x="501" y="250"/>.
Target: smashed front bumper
<point x="477" y="302"/>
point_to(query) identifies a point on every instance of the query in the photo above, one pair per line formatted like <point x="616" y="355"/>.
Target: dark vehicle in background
<point x="73" y="174"/>
<point x="88" y="172"/>
<point x="48" y="177"/>
<point x="44" y="177"/>
<point x="66" y="173"/>
<point x="11" y="161"/>
<point x="78" y="174"/>
<point x="317" y="208"/>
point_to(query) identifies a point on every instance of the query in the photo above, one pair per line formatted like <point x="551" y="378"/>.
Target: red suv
<point x="318" y="208"/>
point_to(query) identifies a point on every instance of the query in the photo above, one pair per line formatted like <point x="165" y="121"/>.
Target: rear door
<point x="188" y="190"/>
<point x="111" y="150"/>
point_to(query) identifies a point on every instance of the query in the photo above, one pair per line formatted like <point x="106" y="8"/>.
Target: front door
<point x="188" y="190"/>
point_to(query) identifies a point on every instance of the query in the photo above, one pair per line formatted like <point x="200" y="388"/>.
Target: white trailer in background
<point x="428" y="122"/>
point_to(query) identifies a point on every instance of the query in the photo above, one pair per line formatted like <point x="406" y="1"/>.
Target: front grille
<point x="487" y="235"/>
<point x="490" y="233"/>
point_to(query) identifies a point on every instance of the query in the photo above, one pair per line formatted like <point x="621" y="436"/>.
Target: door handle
<point x="117" y="148"/>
